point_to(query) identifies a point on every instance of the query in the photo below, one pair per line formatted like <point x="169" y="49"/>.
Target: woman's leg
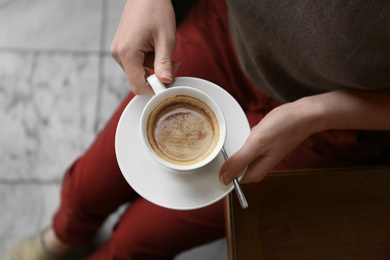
<point x="147" y="231"/>
<point x="93" y="187"/>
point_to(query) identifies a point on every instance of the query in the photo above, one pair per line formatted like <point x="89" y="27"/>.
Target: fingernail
<point x="224" y="178"/>
<point x="166" y="74"/>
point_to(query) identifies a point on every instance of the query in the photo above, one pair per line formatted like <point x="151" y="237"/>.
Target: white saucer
<point x="166" y="187"/>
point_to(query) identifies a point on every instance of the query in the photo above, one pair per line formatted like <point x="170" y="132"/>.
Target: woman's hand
<point x="287" y="126"/>
<point x="145" y="38"/>
<point x="277" y="134"/>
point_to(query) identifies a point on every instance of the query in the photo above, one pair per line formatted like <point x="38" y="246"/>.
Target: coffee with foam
<point x="183" y="130"/>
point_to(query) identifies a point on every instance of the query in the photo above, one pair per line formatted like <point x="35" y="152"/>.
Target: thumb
<point x="163" y="70"/>
<point x="163" y="64"/>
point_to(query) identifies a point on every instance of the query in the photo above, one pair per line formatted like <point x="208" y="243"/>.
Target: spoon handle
<point x="237" y="187"/>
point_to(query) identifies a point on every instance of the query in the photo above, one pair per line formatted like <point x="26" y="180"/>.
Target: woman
<point x="313" y="79"/>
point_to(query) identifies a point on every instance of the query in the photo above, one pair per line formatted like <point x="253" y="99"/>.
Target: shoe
<point x="32" y="248"/>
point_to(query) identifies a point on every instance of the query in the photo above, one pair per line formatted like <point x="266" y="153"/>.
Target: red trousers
<point x="94" y="187"/>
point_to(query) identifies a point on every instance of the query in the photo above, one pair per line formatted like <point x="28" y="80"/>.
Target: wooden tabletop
<point x="318" y="214"/>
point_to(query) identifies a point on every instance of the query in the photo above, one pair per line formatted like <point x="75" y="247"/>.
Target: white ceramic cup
<point x="162" y="94"/>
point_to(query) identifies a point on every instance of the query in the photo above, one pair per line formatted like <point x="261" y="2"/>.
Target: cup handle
<point x="156" y="84"/>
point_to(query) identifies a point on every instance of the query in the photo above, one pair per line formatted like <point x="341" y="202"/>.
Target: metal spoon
<point x="237" y="187"/>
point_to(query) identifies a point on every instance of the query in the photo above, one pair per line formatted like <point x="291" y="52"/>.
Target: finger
<point x="163" y="65"/>
<point x="117" y="59"/>
<point x="257" y="169"/>
<point x="115" y="54"/>
<point x="149" y="63"/>
<point x="132" y="63"/>
<point x="135" y="72"/>
<point x="235" y="164"/>
<point x="258" y="166"/>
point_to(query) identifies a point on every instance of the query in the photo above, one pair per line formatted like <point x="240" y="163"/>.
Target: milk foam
<point x="183" y="130"/>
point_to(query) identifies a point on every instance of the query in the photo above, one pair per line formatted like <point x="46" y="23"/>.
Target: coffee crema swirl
<point x="183" y="130"/>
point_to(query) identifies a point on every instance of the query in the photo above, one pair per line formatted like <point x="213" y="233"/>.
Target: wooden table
<point x="320" y="214"/>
